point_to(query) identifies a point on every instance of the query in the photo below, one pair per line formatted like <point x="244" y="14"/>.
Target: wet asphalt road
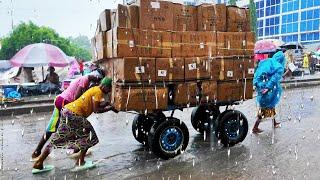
<point x="290" y="152"/>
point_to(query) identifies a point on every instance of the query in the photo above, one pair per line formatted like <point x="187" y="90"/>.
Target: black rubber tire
<point x="142" y="124"/>
<point x="200" y="118"/>
<point x="232" y="127"/>
<point x="159" y="131"/>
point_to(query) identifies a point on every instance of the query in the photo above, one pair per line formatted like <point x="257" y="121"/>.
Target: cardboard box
<point x="208" y="91"/>
<point x="189" y="43"/>
<point x="123" y="42"/>
<point x="93" y="49"/>
<point x="237" y="19"/>
<point x="212" y="17"/>
<point x="231" y="44"/>
<point x="134" y="15"/>
<point x="125" y="16"/>
<point x="230" y="91"/>
<point x="105" y="20"/>
<point x="107" y="66"/>
<point x="156" y="15"/>
<point x="215" y="66"/>
<point x="186" y="94"/>
<point x="133" y="70"/>
<point x="250" y="42"/>
<point x="227" y="69"/>
<point x="239" y="69"/>
<point x="101" y="46"/>
<point x="140" y="99"/>
<point x="197" y="68"/>
<point x="145" y="43"/>
<point x="176" y="37"/>
<point x="249" y="67"/>
<point x="161" y="44"/>
<point x="169" y="69"/>
<point x="184" y="18"/>
<point x="248" y="90"/>
<point x="206" y="44"/>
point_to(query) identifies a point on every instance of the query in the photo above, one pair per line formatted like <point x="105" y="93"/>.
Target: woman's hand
<point x="264" y="91"/>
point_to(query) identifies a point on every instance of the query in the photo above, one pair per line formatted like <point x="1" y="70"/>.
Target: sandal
<point x="87" y="165"/>
<point x="257" y="131"/>
<point x="45" y="168"/>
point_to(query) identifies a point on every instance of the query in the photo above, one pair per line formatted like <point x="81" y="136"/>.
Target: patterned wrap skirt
<point x="74" y="132"/>
<point x="265" y="113"/>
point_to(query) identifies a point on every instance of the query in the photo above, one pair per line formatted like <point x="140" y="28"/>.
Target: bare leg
<point x="80" y="161"/>
<point x="42" y="142"/>
<point x="275" y="123"/>
<point x="39" y="163"/>
<point x="256" y="128"/>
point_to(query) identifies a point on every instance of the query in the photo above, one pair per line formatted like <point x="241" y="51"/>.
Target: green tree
<point x="29" y="33"/>
<point x="253" y="16"/>
<point x="232" y="2"/>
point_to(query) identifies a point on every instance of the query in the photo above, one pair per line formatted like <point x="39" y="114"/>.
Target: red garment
<point x="81" y="66"/>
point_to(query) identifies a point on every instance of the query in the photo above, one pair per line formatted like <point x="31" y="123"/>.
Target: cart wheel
<point x="142" y="124"/>
<point x="169" y="138"/>
<point x="233" y="128"/>
<point x="200" y="118"/>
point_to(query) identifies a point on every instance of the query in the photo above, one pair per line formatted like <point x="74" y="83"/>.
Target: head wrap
<point x="106" y="82"/>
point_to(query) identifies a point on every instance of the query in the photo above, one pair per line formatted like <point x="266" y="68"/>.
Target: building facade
<point x="289" y="20"/>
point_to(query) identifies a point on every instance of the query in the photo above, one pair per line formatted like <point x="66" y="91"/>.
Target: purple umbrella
<point x="40" y="54"/>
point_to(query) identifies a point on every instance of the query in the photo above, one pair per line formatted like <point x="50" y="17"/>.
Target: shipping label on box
<point x="134" y="70"/>
<point x="169" y="69"/>
<point x="140" y="99"/>
<point x="124" y="42"/>
<point x="227" y="69"/>
<point x="197" y="68"/>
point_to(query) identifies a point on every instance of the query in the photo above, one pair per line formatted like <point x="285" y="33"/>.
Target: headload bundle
<point x="161" y="53"/>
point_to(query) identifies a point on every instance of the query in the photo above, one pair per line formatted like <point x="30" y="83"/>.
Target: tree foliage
<point x="29" y="33"/>
<point x="253" y="16"/>
<point x="232" y="2"/>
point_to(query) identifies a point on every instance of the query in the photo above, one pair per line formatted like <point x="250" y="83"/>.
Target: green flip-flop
<point x="46" y="168"/>
<point x="87" y="165"/>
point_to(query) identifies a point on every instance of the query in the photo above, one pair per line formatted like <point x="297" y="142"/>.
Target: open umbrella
<point x="265" y="46"/>
<point x="292" y="45"/>
<point x="40" y="54"/>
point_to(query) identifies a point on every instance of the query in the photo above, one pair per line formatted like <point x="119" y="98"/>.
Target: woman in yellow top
<point x="75" y="131"/>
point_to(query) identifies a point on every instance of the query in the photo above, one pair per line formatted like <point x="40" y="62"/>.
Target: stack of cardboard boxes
<point x="160" y="53"/>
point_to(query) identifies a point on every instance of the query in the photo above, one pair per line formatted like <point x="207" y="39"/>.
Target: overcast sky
<point x="67" y="17"/>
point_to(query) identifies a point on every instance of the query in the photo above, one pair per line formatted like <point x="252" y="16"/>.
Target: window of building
<point x="260" y="8"/>
<point x="309" y="3"/>
<point x="290" y="5"/>
<point x="314" y="36"/>
<point x="290" y="38"/>
<point x="272" y="26"/>
<point x="272" y="7"/>
<point x="310" y="20"/>
<point x="289" y="23"/>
